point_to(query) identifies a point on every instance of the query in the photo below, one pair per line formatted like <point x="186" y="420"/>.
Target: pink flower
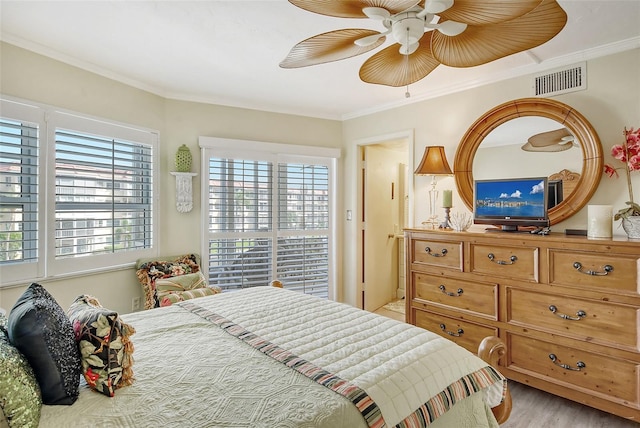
<point x="629" y="154"/>
<point x="610" y="171"/>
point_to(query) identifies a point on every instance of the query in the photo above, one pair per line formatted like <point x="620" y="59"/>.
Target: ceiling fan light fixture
<point x="408" y="30"/>
<point x="409" y="49"/>
<point x="451" y="28"/>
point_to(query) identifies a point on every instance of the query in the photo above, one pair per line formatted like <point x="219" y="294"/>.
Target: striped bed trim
<point x="422" y="417"/>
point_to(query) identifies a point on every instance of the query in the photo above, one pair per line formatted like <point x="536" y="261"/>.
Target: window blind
<point x="18" y="192"/>
<point x="267" y="223"/>
<point x="103" y="195"/>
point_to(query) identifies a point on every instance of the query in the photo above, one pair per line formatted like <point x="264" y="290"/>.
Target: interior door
<point x="382" y="207"/>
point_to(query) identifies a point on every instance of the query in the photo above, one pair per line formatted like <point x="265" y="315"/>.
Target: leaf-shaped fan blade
<point x="482" y="44"/>
<point x="352" y="8"/>
<point x="474" y="12"/>
<point x="328" y="47"/>
<point x="389" y="67"/>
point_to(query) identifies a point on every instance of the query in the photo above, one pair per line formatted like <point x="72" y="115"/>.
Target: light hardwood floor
<point x="533" y="408"/>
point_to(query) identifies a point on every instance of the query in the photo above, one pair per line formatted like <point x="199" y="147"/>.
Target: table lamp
<point x="434" y="163"/>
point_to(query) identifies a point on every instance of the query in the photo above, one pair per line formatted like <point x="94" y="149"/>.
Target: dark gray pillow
<point x="40" y="329"/>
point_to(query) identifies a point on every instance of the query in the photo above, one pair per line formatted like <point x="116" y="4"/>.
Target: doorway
<point x="384" y="201"/>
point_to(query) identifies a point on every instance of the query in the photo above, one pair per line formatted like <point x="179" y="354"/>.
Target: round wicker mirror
<point x="585" y="136"/>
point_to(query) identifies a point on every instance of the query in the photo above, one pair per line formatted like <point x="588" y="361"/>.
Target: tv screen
<point x="512" y="202"/>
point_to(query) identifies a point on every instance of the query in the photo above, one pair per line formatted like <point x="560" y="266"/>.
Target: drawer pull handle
<point x="449" y="293"/>
<point x="607" y="270"/>
<point x="579" y="365"/>
<point x="579" y="315"/>
<point x="442" y="253"/>
<point x="459" y="333"/>
<point x="511" y="261"/>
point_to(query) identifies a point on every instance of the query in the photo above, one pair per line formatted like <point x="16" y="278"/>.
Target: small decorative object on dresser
<point x="629" y="153"/>
<point x="460" y="221"/>
<point x="599" y="221"/>
<point x="566" y="307"/>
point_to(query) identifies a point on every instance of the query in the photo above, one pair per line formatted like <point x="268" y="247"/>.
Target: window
<point x="269" y="217"/>
<point x="19" y="191"/>
<point x="102" y="180"/>
<point x="96" y="180"/>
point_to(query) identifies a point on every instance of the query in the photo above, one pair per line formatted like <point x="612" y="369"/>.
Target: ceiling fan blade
<point x="479" y="45"/>
<point x="328" y="47"/>
<point x="352" y="8"/>
<point x="389" y="67"/>
<point x="474" y="12"/>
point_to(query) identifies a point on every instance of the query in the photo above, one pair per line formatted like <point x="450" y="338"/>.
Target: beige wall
<point x="610" y="103"/>
<point x="34" y="77"/>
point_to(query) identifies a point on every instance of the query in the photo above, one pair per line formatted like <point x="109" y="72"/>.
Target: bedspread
<point x="189" y="372"/>
<point x="407" y="374"/>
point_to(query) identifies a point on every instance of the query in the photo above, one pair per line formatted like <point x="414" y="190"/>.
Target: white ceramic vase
<point x="631" y="225"/>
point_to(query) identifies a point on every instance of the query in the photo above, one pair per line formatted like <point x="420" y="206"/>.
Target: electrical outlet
<point x="135" y="304"/>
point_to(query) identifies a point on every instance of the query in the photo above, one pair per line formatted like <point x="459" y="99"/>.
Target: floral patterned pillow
<point x="148" y="273"/>
<point x="183" y="287"/>
<point x="106" y="350"/>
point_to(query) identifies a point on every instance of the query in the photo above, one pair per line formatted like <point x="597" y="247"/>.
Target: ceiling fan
<point x="427" y="33"/>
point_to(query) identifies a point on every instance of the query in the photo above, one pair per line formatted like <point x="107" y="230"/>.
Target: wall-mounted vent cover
<point x="561" y="81"/>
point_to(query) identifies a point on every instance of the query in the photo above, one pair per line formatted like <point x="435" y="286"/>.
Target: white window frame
<point x="275" y="153"/>
<point x="48" y="119"/>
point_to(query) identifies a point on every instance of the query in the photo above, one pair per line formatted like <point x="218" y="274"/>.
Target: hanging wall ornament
<point x="183" y="159"/>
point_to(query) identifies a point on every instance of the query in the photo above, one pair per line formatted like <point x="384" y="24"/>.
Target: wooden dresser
<point x="567" y="307"/>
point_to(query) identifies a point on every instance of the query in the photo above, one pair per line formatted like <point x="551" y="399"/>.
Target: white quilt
<point x="401" y="367"/>
<point x="189" y="372"/>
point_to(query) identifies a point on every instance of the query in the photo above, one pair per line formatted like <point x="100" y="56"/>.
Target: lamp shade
<point x="434" y="162"/>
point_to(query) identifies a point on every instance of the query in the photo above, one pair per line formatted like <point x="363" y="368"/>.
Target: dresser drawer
<point x="605" y="271"/>
<point x="586" y="319"/>
<point x="470" y="296"/>
<point x="519" y="262"/>
<point x="437" y="253"/>
<point x="603" y="375"/>
<point x="464" y="333"/>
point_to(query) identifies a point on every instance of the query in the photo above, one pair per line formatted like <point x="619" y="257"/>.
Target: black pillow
<point x="40" y="329"/>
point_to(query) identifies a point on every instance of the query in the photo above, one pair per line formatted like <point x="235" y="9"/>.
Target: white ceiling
<point x="227" y="52"/>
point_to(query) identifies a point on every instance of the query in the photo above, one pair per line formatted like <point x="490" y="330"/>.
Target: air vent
<point x="561" y="81"/>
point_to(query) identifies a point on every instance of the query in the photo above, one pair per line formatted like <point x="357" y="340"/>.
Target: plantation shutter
<point x="303" y="219"/>
<point x="18" y="192"/>
<point x="103" y="195"/>
<point x="268" y="219"/>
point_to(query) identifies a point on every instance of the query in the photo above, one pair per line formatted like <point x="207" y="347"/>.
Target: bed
<point x="270" y="357"/>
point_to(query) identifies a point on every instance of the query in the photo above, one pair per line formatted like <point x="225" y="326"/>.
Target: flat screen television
<point x="511" y="203"/>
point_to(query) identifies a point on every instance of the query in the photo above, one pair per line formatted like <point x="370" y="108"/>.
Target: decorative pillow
<point x="171" y="298"/>
<point x="40" y="329"/>
<point x="149" y="272"/>
<point x="105" y="345"/>
<point x="20" y="398"/>
<point x="188" y="286"/>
